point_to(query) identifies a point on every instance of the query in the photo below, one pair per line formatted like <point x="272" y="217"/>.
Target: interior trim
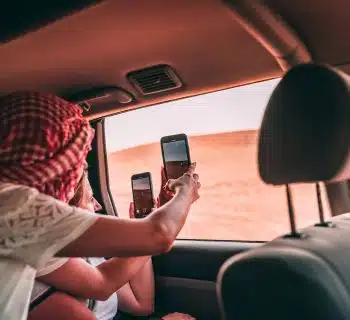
<point x="106" y="171"/>
<point x="98" y="115"/>
<point x="195" y="297"/>
<point x="187" y="258"/>
<point x="102" y="168"/>
<point x="271" y="32"/>
<point x="185" y="283"/>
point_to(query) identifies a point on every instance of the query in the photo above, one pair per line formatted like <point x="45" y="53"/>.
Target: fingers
<point x="158" y="201"/>
<point x="168" y="185"/>
<point x="131" y="210"/>
<point x="163" y="177"/>
<point x="191" y="169"/>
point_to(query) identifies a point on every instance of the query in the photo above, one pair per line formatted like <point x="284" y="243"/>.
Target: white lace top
<point x="33" y="227"/>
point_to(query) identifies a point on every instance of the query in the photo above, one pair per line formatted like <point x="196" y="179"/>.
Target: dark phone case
<point x="138" y="176"/>
<point x="176" y="137"/>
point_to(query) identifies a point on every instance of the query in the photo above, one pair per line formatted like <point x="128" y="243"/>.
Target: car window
<point x="223" y="130"/>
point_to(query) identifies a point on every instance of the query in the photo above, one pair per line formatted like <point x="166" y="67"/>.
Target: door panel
<point x="186" y="276"/>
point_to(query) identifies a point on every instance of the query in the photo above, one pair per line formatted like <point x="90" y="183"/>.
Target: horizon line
<point x="192" y="135"/>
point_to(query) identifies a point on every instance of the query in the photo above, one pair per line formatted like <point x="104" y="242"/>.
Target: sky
<point x="175" y="151"/>
<point x="141" y="184"/>
<point x="235" y="109"/>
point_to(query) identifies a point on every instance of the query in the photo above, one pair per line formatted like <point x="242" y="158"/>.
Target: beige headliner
<point x="199" y="38"/>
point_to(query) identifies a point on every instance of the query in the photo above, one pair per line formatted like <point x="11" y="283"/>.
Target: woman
<point x="136" y="297"/>
<point x="44" y="143"/>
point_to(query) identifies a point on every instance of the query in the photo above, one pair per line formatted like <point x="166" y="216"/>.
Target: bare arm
<point x="155" y="234"/>
<point x="137" y="296"/>
<point x="84" y="280"/>
<point x="110" y="236"/>
<point x="61" y="306"/>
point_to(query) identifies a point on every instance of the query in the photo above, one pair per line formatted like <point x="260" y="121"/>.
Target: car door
<point x="186" y="276"/>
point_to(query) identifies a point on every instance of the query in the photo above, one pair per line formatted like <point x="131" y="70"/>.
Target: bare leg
<point x="61" y="306"/>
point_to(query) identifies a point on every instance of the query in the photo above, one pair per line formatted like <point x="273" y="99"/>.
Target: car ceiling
<point x="201" y="40"/>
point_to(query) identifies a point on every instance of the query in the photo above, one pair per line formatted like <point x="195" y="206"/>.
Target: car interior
<point x="115" y="57"/>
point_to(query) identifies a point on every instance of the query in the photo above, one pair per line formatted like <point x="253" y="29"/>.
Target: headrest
<point x="305" y="133"/>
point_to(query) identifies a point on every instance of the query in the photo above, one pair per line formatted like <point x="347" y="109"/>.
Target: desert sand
<point x="235" y="204"/>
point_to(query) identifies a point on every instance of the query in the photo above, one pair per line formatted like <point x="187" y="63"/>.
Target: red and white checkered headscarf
<point x="44" y="141"/>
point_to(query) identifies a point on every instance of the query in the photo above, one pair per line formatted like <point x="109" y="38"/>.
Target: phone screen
<point x="176" y="158"/>
<point x="143" y="195"/>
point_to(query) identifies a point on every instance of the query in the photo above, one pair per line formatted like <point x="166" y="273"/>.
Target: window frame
<point x="338" y="194"/>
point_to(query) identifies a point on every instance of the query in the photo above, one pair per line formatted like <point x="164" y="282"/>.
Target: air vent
<point x="155" y="79"/>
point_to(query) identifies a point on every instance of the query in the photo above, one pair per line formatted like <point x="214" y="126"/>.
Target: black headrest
<point x="305" y="133"/>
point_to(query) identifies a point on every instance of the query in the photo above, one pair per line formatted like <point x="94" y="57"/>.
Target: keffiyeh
<point x="44" y="141"/>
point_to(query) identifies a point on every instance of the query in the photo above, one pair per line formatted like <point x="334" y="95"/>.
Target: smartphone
<point x="176" y="155"/>
<point x="142" y="191"/>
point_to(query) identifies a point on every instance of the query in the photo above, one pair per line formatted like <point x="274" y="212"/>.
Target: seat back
<point x="290" y="278"/>
<point x="304" y="138"/>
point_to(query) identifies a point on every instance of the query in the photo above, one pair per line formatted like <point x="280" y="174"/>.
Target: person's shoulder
<point x="14" y="196"/>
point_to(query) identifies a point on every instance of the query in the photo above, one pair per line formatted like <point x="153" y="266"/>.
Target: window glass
<point x="223" y="130"/>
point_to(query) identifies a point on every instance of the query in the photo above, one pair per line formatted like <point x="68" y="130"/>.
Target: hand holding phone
<point x="165" y="194"/>
<point x="176" y="155"/>
<point x="142" y="191"/>
<point x="190" y="180"/>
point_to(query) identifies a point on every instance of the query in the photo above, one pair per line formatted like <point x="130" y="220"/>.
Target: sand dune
<point x="234" y="203"/>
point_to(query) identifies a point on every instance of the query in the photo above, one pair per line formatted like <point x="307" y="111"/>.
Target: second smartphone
<point x="176" y="155"/>
<point x="142" y="191"/>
